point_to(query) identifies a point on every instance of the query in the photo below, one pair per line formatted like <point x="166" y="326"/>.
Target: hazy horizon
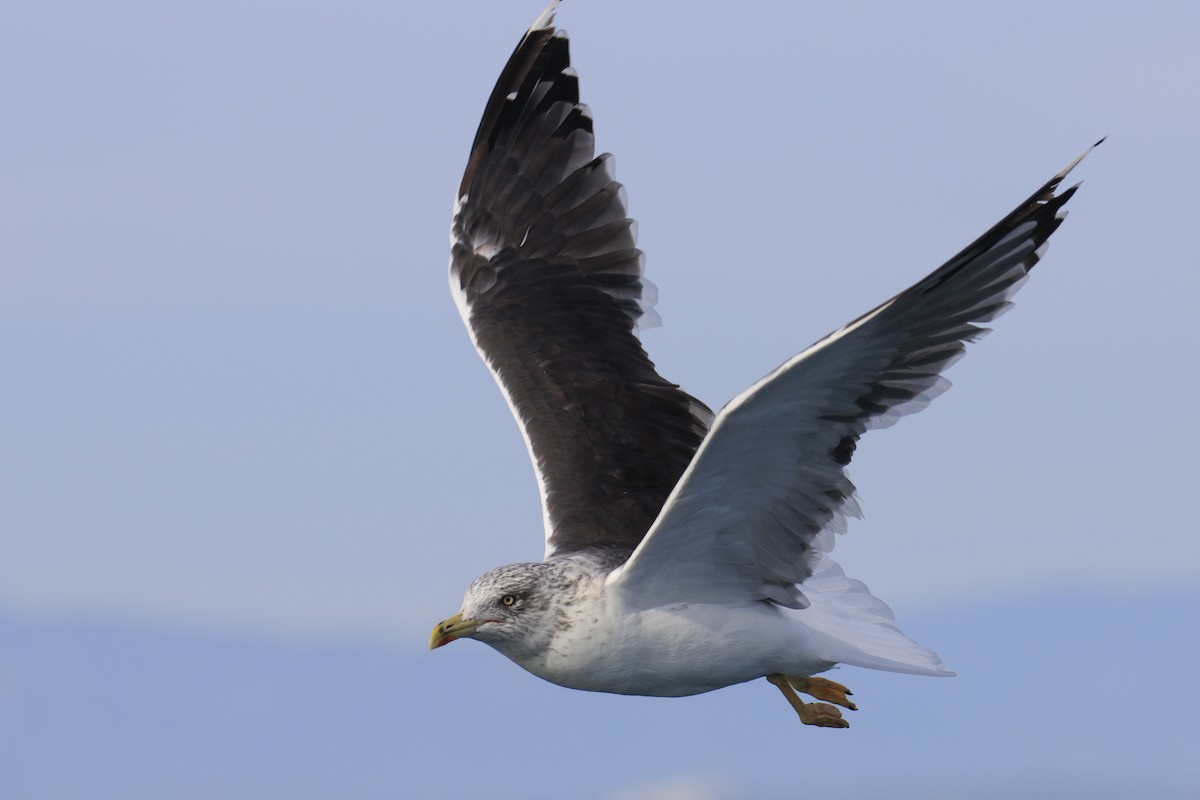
<point x="242" y="422"/>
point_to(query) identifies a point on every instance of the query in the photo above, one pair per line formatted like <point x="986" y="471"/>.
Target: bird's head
<point x="508" y="608"/>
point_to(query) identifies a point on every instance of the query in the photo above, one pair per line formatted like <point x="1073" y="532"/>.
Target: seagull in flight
<point x="685" y="551"/>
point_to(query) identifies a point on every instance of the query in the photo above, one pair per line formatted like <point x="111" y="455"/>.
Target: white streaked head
<point x="514" y="608"/>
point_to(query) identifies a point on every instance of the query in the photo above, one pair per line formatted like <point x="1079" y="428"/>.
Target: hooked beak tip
<point x="450" y="629"/>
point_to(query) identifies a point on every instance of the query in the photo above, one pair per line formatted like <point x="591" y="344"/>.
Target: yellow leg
<point x="820" y="714"/>
<point x="823" y="689"/>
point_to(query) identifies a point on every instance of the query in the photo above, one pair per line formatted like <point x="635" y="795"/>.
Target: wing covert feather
<point x="757" y="507"/>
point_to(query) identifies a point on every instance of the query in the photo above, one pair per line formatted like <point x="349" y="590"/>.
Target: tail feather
<point x="856" y="627"/>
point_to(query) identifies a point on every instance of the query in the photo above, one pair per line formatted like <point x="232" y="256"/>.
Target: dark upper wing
<point x="755" y="511"/>
<point x="546" y="276"/>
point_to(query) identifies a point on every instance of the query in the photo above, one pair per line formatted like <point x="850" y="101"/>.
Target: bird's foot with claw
<point x="822" y="715"/>
<point x="823" y="689"/>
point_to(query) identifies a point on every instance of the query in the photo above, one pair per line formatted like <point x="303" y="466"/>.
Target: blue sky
<point x="239" y="406"/>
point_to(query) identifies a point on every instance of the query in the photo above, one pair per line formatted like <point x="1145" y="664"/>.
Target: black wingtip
<point x="546" y="18"/>
<point x="1067" y="169"/>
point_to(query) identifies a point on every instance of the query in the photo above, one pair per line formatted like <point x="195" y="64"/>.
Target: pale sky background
<point x="248" y="454"/>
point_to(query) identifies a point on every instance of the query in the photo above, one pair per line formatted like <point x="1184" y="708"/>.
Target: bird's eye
<point x="508" y="599"/>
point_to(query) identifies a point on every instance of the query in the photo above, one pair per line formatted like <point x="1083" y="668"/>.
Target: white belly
<point x="675" y="651"/>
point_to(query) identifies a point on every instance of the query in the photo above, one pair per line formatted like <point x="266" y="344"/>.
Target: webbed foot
<point x="823" y="689"/>
<point x="822" y="715"/>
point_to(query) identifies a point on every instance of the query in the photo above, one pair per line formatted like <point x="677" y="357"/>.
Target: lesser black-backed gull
<point x="684" y="552"/>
